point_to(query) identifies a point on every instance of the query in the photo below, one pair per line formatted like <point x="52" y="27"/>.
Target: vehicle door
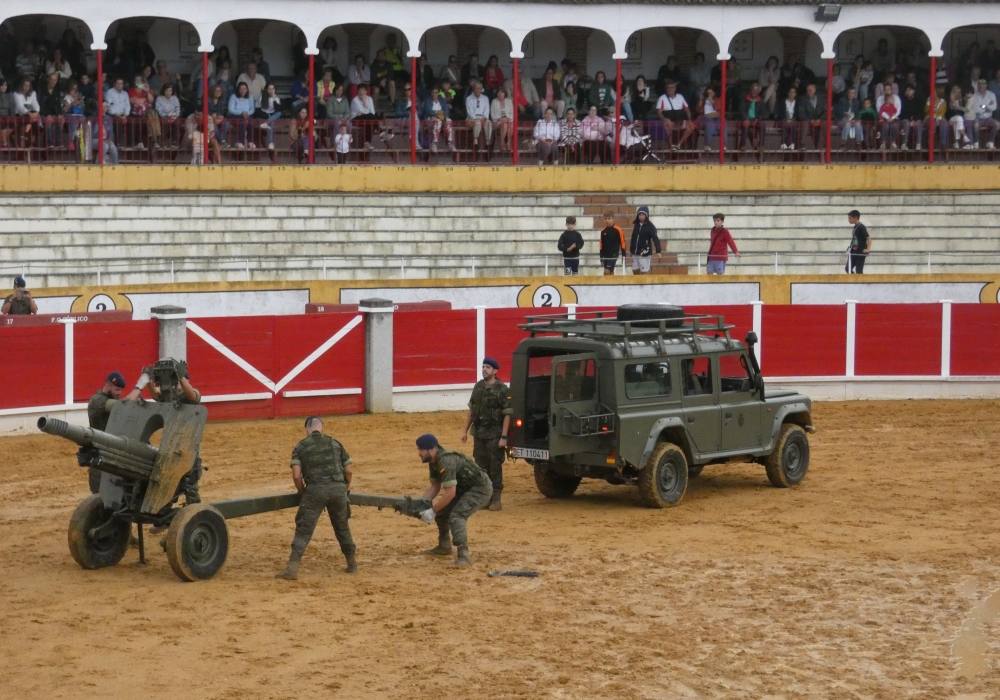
<point x="741" y="409"/>
<point x="574" y="397"/>
<point x="699" y="402"/>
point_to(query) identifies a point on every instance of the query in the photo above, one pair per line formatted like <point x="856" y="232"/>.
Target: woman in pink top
<point x="594" y="131"/>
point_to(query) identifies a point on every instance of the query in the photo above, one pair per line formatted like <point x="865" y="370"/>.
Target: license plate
<point x="529" y="453"/>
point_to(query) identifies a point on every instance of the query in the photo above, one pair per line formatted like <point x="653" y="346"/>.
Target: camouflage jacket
<point x="489" y="404"/>
<point x="323" y="460"/>
<point x="454" y="469"/>
<point x="97" y="410"/>
<point x="20" y="306"/>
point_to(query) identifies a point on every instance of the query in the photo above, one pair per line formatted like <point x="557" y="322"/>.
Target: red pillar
<point x="932" y="105"/>
<point x="100" y="107"/>
<point x="516" y="74"/>
<point x="413" y="110"/>
<point x="722" y="112"/>
<point x="829" y="109"/>
<point x="312" y="108"/>
<point x="204" y="108"/>
<point x="618" y="107"/>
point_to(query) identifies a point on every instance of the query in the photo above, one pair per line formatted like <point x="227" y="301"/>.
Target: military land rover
<point x="646" y="395"/>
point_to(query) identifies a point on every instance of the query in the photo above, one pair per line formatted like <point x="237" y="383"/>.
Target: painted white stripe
<point x="480" y="341"/>
<point x="230" y="355"/>
<point x="946" y="338"/>
<point x="758" y="328"/>
<point x="852" y="326"/>
<point x="218" y="398"/>
<point x="353" y="391"/>
<point x="42" y="409"/>
<point x="69" y="358"/>
<point x="317" y="353"/>
<point x="902" y="378"/>
<point x="430" y="387"/>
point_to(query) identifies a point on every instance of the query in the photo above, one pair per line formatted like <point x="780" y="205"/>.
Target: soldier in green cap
<point x="321" y="470"/>
<point x="489" y="417"/>
<point x="458" y="488"/>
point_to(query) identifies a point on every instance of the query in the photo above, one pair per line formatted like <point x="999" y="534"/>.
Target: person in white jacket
<point x="546" y="137"/>
<point x="979" y="111"/>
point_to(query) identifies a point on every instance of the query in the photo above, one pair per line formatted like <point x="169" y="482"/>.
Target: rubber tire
<point x="657" y="488"/>
<point x="553" y="485"/>
<point x="89" y="554"/>
<point x="640" y="312"/>
<point x="197" y="542"/>
<point x="792" y="447"/>
<point x="694" y="471"/>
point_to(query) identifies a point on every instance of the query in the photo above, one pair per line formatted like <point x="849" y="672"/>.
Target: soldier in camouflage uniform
<point x="98" y="412"/>
<point x="458" y="488"/>
<point x="489" y="417"/>
<point x="20" y="302"/>
<point x="321" y="470"/>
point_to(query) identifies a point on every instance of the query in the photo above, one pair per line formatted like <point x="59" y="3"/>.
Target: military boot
<point x="443" y="548"/>
<point x="352" y="563"/>
<point x="291" y="572"/>
<point x="463" y="560"/>
<point x="495" y="501"/>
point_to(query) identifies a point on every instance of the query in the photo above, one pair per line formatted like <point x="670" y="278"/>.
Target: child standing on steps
<point x="569" y="244"/>
<point x="612" y="243"/>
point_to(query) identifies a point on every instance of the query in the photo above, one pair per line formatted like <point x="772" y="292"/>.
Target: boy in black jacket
<point x="644" y="241"/>
<point x="570" y="243"/>
<point x="612" y="243"/>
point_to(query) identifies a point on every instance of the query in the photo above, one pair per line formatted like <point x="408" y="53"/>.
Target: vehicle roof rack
<point x="598" y="325"/>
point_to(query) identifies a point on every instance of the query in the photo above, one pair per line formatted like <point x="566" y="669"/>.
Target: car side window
<point x="734" y="373"/>
<point x="643" y="380"/>
<point x="696" y="373"/>
<point x="575" y="380"/>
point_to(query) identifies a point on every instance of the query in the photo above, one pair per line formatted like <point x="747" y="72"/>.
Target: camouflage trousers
<point x="454" y="517"/>
<point x="315" y="499"/>
<point x="490" y="458"/>
<point x="189" y="483"/>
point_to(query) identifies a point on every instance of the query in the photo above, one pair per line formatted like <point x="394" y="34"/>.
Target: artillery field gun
<point x="139" y="484"/>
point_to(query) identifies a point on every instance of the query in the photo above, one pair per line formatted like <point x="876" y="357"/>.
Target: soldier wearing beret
<point x="489" y="418"/>
<point x="458" y="488"/>
<point x="321" y="470"/>
<point x="20" y="302"/>
<point x="98" y="410"/>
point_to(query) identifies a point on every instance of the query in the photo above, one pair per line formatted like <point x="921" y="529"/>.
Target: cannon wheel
<point x="105" y="550"/>
<point x="197" y="542"/>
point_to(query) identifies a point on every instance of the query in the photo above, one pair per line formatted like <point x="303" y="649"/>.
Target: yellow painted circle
<point x="544" y="295"/>
<point x="101" y="301"/>
<point x="989" y="293"/>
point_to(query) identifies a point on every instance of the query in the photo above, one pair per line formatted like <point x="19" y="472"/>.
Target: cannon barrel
<point x="91" y="437"/>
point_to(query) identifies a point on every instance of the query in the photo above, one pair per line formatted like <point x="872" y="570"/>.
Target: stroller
<point x="636" y="146"/>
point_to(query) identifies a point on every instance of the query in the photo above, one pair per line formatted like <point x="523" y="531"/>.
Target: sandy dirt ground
<point x="878" y="577"/>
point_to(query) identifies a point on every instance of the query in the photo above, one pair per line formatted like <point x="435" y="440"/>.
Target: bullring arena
<point x="365" y="279"/>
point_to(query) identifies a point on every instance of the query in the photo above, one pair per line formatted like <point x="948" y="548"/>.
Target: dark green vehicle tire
<point x="694" y="471"/>
<point x="788" y="464"/>
<point x="96" y="553"/>
<point x="197" y="542"/>
<point x="554" y="485"/>
<point x="664" y="480"/>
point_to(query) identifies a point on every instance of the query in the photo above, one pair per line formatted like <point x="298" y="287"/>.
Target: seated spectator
<point x="26" y="62"/>
<point x="455" y="100"/>
<point x="168" y="106"/>
<point x="570" y="97"/>
<point x="787" y="114"/>
<point x="979" y="111"/>
<point x="6" y="112"/>
<point x="493" y="76"/>
<point x="142" y="100"/>
<point x="436" y="113"/>
<point x="699" y="75"/>
<point x="87" y="88"/>
<point x="58" y="65"/>
<point x="972" y="79"/>
<point x="868" y="118"/>
<point x="569" y="75"/>
<point x="425" y="75"/>
<point x="358" y="74"/>
<point x="298" y="133"/>
<point x="383" y="100"/>
<point x="380" y="70"/>
<point x="363" y="111"/>
<point x="71" y="48"/>
<point x="570" y="137"/>
<point x="751" y="113"/>
<point x="955" y="115"/>
<point x="888" y="107"/>
<point x="936" y="116"/>
<point x="889" y="79"/>
<point x="550" y="93"/>
<point x="863" y="78"/>
<point x="638" y="100"/>
<point x="241" y="109"/>
<point x="324" y="91"/>
<point x="338" y="108"/>
<point x="546" y="137"/>
<point x="116" y="100"/>
<point x="811" y="112"/>
<point x="668" y="71"/>
<point x="255" y="83"/>
<point x="770" y="74"/>
<point x="162" y="77"/>
<point x="218" y="110"/>
<point x="472" y="72"/>
<point x="708" y="109"/>
<point x="602" y="94"/>
<point x="502" y="116"/>
<point x="675" y="113"/>
<point x="300" y="93"/>
<point x="50" y="107"/>
<point x="328" y="54"/>
<point x="845" y="112"/>
<point x="271" y="108"/>
<point x="394" y="57"/>
<point x="632" y="141"/>
<point x="477" y="112"/>
<point x="994" y="84"/>
<point x="529" y="104"/>
<point x="224" y="77"/>
<point x="911" y="118"/>
<point x="594" y="132"/>
<point x="452" y="72"/>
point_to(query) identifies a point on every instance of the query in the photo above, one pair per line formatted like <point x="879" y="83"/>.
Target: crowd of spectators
<point x="48" y="100"/>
